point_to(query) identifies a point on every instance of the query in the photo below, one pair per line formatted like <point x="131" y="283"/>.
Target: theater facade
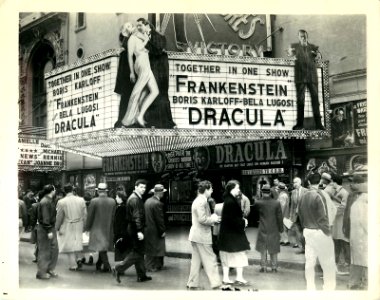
<point x="231" y="94"/>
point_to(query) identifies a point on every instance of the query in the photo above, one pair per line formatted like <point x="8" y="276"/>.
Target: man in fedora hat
<point x="155" y="230"/>
<point x="271" y="225"/>
<point x="135" y="230"/>
<point x="99" y="223"/>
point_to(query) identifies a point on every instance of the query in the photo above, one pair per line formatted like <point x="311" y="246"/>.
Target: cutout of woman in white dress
<point x="145" y="90"/>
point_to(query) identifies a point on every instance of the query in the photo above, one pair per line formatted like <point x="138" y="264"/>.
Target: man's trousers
<point x="47" y="251"/>
<point x="203" y="255"/>
<point x="318" y="245"/>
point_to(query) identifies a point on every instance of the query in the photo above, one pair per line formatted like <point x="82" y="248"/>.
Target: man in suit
<point x="295" y="197"/>
<point x="47" y="235"/>
<point x="99" y="224"/>
<point x="201" y="239"/>
<point x="155" y="230"/>
<point x="135" y="229"/>
<point x="306" y="76"/>
<point x="271" y="225"/>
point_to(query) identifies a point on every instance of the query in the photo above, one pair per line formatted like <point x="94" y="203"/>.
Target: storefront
<point x="39" y="163"/>
<point x="252" y="163"/>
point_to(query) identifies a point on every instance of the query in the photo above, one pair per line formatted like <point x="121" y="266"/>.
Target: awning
<point x="125" y="141"/>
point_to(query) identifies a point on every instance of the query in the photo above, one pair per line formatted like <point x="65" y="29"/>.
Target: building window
<point x="43" y="61"/>
<point x="80" y="22"/>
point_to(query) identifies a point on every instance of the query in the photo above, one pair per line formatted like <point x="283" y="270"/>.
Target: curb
<point x="251" y="261"/>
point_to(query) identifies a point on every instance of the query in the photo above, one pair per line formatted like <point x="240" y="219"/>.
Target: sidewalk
<point x="177" y="245"/>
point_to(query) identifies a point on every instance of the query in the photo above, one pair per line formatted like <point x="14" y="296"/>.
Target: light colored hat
<point x="282" y="186"/>
<point x="326" y="176"/>
<point x="102" y="187"/>
<point x="265" y="188"/>
<point x="158" y="188"/>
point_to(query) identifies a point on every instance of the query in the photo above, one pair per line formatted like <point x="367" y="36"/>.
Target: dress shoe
<point x="90" y="260"/>
<point x="79" y="263"/>
<point x="282" y="243"/>
<point x="320" y="127"/>
<point x="274" y="270"/>
<point x="53" y="274"/>
<point x="106" y="269"/>
<point x="98" y="266"/>
<point x="287" y="244"/>
<point x="295" y="246"/>
<point x="301" y="252"/>
<point x="34" y="260"/>
<point x="116" y="274"/>
<point x="43" y="276"/>
<point x="144" y="278"/>
<point x="262" y="270"/>
<point x="195" y="288"/>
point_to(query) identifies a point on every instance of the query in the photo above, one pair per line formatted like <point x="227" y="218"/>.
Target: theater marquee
<point x="213" y="98"/>
<point x="236" y="93"/>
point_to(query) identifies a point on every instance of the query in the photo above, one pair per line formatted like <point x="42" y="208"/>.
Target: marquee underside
<point x="123" y="141"/>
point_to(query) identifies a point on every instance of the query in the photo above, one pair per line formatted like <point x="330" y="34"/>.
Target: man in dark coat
<point x="99" y="223"/>
<point x="155" y="230"/>
<point x="270" y="227"/>
<point x="159" y="113"/>
<point x="124" y="85"/>
<point x="136" y="225"/>
<point x="306" y="76"/>
<point x="47" y="235"/>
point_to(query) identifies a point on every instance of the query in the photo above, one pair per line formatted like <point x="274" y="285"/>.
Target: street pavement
<point x="173" y="278"/>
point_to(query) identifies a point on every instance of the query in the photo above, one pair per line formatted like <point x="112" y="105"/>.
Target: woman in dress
<point x="145" y="90"/>
<point x="233" y="242"/>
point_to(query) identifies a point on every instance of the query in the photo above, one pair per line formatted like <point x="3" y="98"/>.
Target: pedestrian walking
<point x="233" y="242"/>
<point x="71" y="219"/>
<point x="275" y="191"/>
<point x="270" y="227"/>
<point x="47" y="235"/>
<point x="22" y="216"/>
<point x="339" y="197"/>
<point x="317" y="218"/>
<point x="155" y="230"/>
<point x="295" y="228"/>
<point x="245" y="204"/>
<point x="359" y="236"/>
<point x="99" y="224"/>
<point x="135" y="229"/>
<point x="284" y="200"/>
<point x="120" y="234"/>
<point x="201" y="241"/>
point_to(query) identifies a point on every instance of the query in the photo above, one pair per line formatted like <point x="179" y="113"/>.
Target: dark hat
<point x="158" y="188"/>
<point x="102" y="187"/>
<point x="326" y="176"/>
<point x="282" y="186"/>
<point x="265" y="188"/>
<point x="357" y="179"/>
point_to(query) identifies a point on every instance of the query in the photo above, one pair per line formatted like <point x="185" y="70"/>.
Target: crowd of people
<point x="328" y="222"/>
